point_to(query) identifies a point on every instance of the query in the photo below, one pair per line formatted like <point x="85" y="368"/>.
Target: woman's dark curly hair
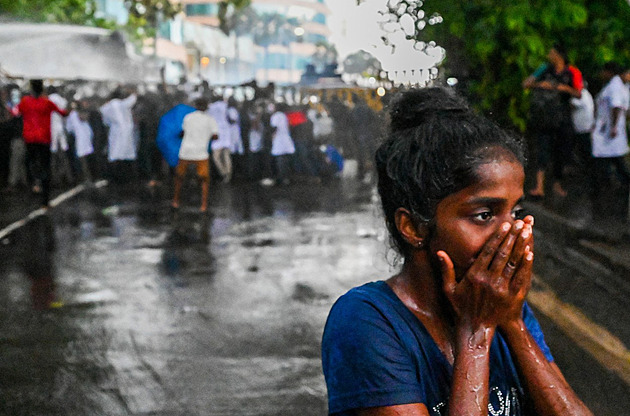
<point x="434" y="147"/>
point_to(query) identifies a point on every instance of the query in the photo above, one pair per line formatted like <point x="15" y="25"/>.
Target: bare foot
<point x="557" y="188"/>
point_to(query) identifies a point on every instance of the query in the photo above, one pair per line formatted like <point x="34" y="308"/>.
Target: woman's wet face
<point x="466" y="219"/>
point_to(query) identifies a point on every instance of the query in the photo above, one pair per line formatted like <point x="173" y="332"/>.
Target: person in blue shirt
<point x="451" y="333"/>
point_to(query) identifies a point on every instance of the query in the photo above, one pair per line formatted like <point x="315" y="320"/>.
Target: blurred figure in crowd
<point x="552" y="84"/>
<point x="282" y="147"/>
<point x="199" y="128"/>
<point x="36" y="110"/>
<point x="118" y="117"/>
<point x="78" y="126"/>
<point x="221" y="147"/>
<point x="237" y="150"/>
<point x="610" y="139"/>
<point x="60" y="161"/>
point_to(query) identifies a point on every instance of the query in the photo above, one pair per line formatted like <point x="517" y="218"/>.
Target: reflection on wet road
<point x="173" y="314"/>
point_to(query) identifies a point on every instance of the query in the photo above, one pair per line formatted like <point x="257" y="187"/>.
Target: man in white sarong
<point x="77" y="125"/>
<point x="121" y="150"/>
<point x="60" y="159"/>
<point x="221" y="147"/>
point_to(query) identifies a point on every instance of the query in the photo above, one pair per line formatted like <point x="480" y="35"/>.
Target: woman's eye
<point x="518" y="214"/>
<point x="483" y="216"/>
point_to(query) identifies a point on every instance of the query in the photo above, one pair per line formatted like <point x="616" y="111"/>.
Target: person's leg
<point x="203" y="171"/>
<point x="543" y="140"/>
<point x="180" y="173"/>
<point x="31" y="167"/>
<point x="218" y="161"/>
<point x="600" y="179"/>
<point x="561" y="154"/>
<point x="17" y="170"/>
<point x="156" y="164"/>
<point x="85" y="169"/>
<point x="621" y="167"/>
<point x="279" y="162"/>
<point x="282" y="165"/>
<point x="227" y="160"/>
<point x="44" y="156"/>
<point x="557" y="161"/>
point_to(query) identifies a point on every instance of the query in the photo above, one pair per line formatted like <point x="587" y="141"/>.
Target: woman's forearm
<point x="471" y="372"/>
<point x="546" y="386"/>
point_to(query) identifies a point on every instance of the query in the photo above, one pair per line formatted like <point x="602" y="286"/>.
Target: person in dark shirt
<point x="552" y="84"/>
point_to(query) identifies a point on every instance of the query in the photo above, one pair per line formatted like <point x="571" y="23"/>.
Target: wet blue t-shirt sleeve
<point x="365" y="364"/>
<point x="371" y="356"/>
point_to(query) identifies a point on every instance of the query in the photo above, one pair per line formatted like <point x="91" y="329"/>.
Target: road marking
<point x="41" y="211"/>
<point x="607" y="349"/>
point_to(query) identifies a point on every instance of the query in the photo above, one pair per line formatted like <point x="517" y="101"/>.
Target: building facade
<point x="280" y="56"/>
<point x="193" y="46"/>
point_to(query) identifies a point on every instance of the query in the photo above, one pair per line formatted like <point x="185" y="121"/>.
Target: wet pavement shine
<point x="112" y="304"/>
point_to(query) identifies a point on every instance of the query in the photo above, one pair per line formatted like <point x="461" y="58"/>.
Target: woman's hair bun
<point x="417" y="106"/>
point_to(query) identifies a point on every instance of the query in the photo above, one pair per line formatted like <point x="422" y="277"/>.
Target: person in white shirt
<point x="237" y="149"/>
<point x="583" y="115"/>
<point x="255" y="160"/>
<point x="282" y="146"/>
<point x="322" y="125"/>
<point x="221" y="154"/>
<point x="121" y="150"/>
<point x="61" y="169"/>
<point x="199" y="129"/>
<point x="77" y="124"/>
<point x="610" y="139"/>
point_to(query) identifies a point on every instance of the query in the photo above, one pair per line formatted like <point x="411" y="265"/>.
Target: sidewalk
<point x="584" y="236"/>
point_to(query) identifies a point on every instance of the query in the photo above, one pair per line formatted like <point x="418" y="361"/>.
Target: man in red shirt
<point x="36" y="110"/>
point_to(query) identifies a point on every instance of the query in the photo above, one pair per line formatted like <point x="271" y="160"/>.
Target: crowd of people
<point x="52" y="136"/>
<point x="569" y="127"/>
<point x="58" y="135"/>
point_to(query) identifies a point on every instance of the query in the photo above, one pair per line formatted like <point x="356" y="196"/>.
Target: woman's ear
<point x="412" y="233"/>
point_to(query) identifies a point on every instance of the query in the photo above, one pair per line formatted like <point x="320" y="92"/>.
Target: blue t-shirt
<point x="376" y="352"/>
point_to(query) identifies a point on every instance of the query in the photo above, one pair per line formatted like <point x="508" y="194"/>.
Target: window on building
<point x="320" y="18"/>
<point x="207" y="9"/>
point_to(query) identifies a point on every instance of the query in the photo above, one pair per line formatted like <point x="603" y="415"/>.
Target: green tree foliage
<point x="493" y="45"/>
<point x="146" y="16"/>
<point x="81" y="12"/>
<point x="362" y="63"/>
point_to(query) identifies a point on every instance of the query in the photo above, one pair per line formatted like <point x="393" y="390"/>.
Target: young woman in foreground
<point x="451" y="333"/>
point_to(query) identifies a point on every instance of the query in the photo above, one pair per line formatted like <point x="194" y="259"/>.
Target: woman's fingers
<point x="521" y="282"/>
<point x="505" y="257"/>
<point x="489" y="249"/>
<point x="522" y="241"/>
<point x="448" y="272"/>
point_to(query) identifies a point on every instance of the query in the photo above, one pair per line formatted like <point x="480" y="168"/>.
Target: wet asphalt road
<point x="161" y="313"/>
<point x="180" y="314"/>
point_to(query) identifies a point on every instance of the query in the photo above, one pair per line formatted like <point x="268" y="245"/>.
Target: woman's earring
<point x="419" y="244"/>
